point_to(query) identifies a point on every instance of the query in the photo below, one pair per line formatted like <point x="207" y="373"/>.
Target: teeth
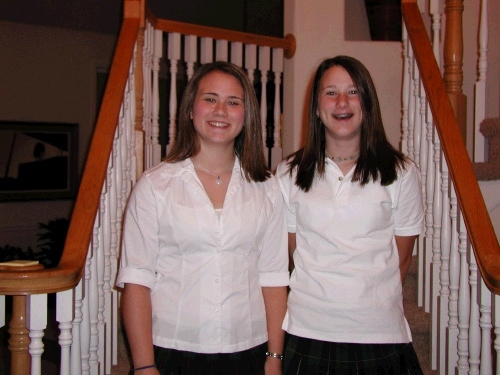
<point x="218" y="124"/>
<point x="343" y="115"/>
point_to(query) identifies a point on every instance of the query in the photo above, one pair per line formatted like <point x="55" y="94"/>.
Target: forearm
<point x="405" y="249"/>
<point x="275" y="302"/>
<point x="137" y="319"/>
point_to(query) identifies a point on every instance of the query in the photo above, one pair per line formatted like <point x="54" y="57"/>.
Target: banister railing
<point x="68" y="272"/>
<point x="460" y="239"/>
<point x="477" y="219"/>
<point x="121" y="147"/>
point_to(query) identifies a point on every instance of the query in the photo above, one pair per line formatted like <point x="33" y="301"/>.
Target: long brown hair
<point x="248" y="145"/>
<point x="377" y="158"/>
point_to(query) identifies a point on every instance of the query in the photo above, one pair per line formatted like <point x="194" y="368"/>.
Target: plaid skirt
<point x="177" y="362"/>
<point x="313" y="357"/>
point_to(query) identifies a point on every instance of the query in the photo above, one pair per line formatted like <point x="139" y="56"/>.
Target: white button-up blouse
<point x="205" y="269"/>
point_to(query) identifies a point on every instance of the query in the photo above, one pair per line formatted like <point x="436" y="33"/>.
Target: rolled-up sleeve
<point x="273" y="261"/>
<point x="139" y="248"/>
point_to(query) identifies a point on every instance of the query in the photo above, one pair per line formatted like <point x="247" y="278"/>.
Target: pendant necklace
<point x="218" y="180"/>
<point x="340" y="159"/>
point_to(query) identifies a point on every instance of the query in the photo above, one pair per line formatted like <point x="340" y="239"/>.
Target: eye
<point x="331" y="93"/>
<point x="209" y="99"/>
<point x="234" y="102"/>
<point x="353" y="92"/>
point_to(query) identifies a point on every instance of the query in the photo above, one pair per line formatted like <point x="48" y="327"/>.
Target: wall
<point x="318" y="26"/>
<point x="47" y="75"/>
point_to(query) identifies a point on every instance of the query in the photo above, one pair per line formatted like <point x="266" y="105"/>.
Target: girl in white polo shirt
<point x="354" y="210"/>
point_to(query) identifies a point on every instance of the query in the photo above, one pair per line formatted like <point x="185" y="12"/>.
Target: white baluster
<point x="99" y="259"/>
<point x="464" y="301"/>
<point x="2" y="311"/>
<point x="155" y="107"/>
<point x="417" y="120"/>
<point x="264" y="66"/>
<point x="480" y="87"/>
<point x="148" y="92"/>
<point x="474" y="329"/>
<point x="411" y="112"/>
<point x="85" y="325"/>
<point x="237" y="53"/>
<point x="430" y="185"/>
<point x="485" y="325"/>
<point x="174" y="54"/>
<point x="36" y="311"/>
<point x="496" y="310"/>
<point x="190" y="47"/>
<point x="251" y="60"/>
<point x="277" y="152"/>
<point x="76" y="347"/>
<point x="405" y="101"/>
<point x="221" y="50"/>
<point x="206" y="50"/>
<point x="452" y="350"/>
<point x="93" y="303"/>
<point x="65" y="312"/>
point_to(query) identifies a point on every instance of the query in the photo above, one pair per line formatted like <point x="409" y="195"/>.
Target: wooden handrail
<point x="477" y="220"/>
<point x="287" y="43"/>
<point x="70" y="269"/>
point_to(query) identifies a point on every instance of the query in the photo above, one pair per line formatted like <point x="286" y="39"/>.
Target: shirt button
<point x="223" y="221"/>
<point x="216" y="309"/>
<point x="341" y="178"/>
<point x="218" y="250"/>
<point x="217" y="280"/>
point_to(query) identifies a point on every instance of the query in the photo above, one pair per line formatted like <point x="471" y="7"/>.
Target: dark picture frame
<point x="38" y="160"/>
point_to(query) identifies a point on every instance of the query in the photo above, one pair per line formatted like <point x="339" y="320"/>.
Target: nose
<point x="220" y="108"/>
<point x="342" y="100"/>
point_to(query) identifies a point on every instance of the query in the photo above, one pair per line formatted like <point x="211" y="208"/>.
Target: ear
<point x="317" y="113"/>
<point x="191" y="115"/>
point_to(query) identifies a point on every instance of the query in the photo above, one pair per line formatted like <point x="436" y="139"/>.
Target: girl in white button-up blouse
<point x="204" y="261"/>
<point x="354" y="210"/>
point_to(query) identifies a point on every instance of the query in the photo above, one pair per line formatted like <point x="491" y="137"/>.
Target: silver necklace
<point x="340" y="159"/>
<point x="218" y="180"/>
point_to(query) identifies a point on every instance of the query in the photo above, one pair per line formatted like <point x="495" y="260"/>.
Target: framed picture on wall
<point x="38" y="161"/>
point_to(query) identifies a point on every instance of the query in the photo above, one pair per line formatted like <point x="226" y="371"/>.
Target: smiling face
<point x="339" y="106"/>
<point x="218" y="111"/>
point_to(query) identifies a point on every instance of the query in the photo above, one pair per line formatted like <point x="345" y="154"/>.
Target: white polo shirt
<point x="346" y="285"/>
<point x="205" y="269"/>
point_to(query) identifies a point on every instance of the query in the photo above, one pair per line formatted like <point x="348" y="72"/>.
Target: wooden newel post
<point x="19" y="336"/>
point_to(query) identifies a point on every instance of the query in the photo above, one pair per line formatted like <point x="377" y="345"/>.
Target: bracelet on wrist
<point x="274" y="355"/>
<point x="143" y="367"/>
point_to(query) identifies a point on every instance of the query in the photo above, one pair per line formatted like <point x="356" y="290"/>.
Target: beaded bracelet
<point x="274" y="355"/>
<point x="143" y="368"/>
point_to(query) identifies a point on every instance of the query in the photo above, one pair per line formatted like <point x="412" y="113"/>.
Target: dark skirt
<point x="177" y="362"/>
<point x="313" y="357"/>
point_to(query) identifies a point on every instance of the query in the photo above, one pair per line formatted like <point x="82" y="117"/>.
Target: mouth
<point x="343" y="116"/>
<point x="218" y="124"/>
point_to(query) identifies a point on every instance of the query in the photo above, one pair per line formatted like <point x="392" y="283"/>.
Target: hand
<point x="273" y="366"/>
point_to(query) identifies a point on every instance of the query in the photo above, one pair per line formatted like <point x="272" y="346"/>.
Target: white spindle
<point x="85" y="325"/>
<point x="2" y="310"/>
<point x="411" y="108"/>
<point x="206" y="50"/>
<point x="155" y="107"/>
<point x="93" y="303"/>
<point x="496" y="343"/>
<point x="404" y="108"/>
<point x="147" y="92"/>
<point x="76" y="347"/>
<point x="474" y="328"/>
<point x="190" y="48"/>
<point x="221" y="50"/>
<point x="174" y="54"/>
<point x="264" y="66"/>
<point x="251" y="60"/>
<point x="480" y="88"/>
<point x="277" y="153"/>
<point x="36" y="322"/>
<point x="237" y="53"/>
<point x="65" y="313"/>
<point x="486" y="364"/>
<point x="452" y="337"/>
<point x="464" y="301"/>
